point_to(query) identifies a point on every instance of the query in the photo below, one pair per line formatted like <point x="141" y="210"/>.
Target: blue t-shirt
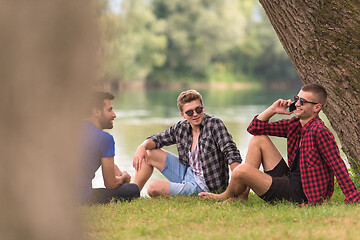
<point x="96" y="144"/>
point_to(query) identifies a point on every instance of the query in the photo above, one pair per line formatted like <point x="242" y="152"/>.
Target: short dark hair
<point x="319" y="92"/>
<point x="97" y="100"/>
<point x="186" y="97"/>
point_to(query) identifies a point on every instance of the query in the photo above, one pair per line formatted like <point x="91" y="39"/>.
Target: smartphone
<point x="292" y="107"/>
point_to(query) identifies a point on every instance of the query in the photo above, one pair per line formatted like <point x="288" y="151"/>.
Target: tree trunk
<point x="48" y="60"/>
<point x="322" y="38"/>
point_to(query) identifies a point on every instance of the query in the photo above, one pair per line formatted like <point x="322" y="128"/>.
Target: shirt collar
<point x="311" y="121"/>
<point x="202" y="124"/>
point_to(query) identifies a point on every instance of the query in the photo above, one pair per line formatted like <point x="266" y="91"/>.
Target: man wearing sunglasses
<point x="313" y="156"/>
<point x="205" y="149"/>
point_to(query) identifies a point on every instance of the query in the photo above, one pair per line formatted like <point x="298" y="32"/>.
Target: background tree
<point x="197" y="31"/>
<point x="322" y="38"/>
<point x="163" y="41"/>
<point x="132" y="41"/>
<point x="260" y="54"/>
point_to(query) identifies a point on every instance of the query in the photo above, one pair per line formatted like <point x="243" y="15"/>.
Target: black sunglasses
<point x="302" y="101"/>
<point x="198" y="110"/>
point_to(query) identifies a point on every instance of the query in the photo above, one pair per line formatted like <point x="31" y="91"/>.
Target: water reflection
<point x="143" y="113"/>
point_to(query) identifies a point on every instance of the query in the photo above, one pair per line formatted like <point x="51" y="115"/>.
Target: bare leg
<point x="261" y="151"/>
<point x="159" y="188"/>
<point x="157" y="159"/>
<point x="244" y="176"/>
<point x="143" y="175"/>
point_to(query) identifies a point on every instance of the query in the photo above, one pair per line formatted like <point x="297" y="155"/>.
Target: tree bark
<point x="48" y="60"/>
<point x="322" y="38"/>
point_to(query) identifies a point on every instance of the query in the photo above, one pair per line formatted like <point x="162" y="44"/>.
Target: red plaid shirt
<point x="319" y="156"/>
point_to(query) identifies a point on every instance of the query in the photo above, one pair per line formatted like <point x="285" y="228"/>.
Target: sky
<point x="115" y="5"/>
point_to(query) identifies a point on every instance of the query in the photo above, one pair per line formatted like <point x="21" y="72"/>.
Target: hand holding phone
<point x="292" y="107"/>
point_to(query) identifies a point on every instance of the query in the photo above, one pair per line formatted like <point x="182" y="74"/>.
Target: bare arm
<point x="278" y="107"/>
<point x="141" y="154"/>
<point x="117" y="170"/>
<point x="234" y="165"/>
<point x="109" y="169"/>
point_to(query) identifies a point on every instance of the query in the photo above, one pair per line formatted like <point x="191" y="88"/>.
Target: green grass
<point x="191" y="218"/>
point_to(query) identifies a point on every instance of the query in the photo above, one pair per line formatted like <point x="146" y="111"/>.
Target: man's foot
<point x="245" y="195"/>
<point x="212" y="196"/>
<point x="221" y="197"/>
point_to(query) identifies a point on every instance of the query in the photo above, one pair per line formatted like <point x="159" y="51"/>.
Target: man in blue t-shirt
<point x="99" y="150"/>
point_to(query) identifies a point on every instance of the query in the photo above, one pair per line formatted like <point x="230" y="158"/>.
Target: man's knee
<point x="240" y="172"/>
<point x="133" y="190"/>
<point x="127" y="191"/>
<point x="259" y="139"/>
<point x="156" y="157"/>
<point x="150" y="155"/>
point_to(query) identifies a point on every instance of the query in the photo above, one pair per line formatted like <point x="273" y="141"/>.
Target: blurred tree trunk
<point x="322" y="38"/>
<point x="48" y="60"/>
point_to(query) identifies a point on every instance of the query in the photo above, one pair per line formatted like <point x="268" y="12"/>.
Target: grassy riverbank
<point x="191" y="218"/>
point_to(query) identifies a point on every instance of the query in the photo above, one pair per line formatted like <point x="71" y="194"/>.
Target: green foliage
<point x="190" y="40"/>
<point x="338" y="194"/>
<point x="133" y="42"/>
<point x="197" y="31"/>
<point x="355" y="172"/>
<point x="261" y="53"/>
<point x="220" y="72"/>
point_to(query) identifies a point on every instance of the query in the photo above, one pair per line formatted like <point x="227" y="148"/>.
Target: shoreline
<point x="117" y="86"/>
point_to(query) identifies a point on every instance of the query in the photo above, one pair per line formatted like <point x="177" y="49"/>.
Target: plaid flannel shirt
<point x="216" y="146"/>
<point x="319" y="156"/>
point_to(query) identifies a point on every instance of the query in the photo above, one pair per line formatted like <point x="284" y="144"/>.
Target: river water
<point x="143" y="113"/>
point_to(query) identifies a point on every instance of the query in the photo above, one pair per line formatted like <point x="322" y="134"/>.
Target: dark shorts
<point x="281" y="187"/>
<point x="125" y="192"/>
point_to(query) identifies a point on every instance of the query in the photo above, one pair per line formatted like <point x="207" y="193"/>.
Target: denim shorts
<point x="181" y="177"/>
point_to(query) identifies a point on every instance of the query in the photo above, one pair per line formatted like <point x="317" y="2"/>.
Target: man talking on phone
<point x="313" y="156"/>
